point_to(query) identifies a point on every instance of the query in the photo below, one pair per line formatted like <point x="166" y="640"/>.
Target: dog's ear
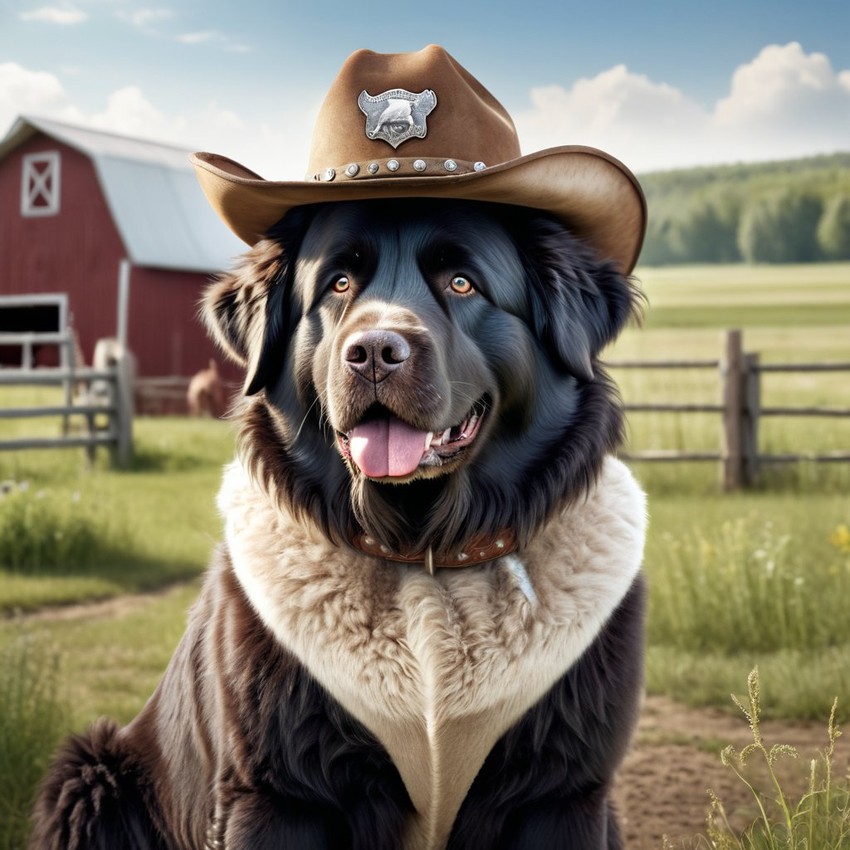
<point x="247" y="312"/>
<point x="579" y="304"/>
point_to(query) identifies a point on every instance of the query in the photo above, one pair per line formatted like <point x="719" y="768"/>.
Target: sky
<point x="658" y="85"/>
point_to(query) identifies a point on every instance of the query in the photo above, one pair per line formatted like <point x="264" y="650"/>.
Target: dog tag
<point x="429" y="561"/>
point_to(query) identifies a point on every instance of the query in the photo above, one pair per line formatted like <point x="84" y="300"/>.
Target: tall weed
<point x="818" y="820"/>
<point x="33" y="718"/>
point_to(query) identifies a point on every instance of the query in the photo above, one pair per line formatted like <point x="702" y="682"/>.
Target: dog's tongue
<point x="386" y="447"/>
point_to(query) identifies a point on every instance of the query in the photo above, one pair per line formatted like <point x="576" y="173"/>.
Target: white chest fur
<point x="438" y="668"/>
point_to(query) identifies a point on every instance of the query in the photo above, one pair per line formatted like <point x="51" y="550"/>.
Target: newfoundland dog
<point x="424" y="628"/>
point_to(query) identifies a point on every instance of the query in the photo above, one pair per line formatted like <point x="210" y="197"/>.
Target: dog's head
<point x="423" y="371"/>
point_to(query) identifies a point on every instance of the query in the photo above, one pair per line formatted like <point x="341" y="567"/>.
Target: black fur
<point x="240" y="747"/>
<point x="546" y="783"/>
<point x="545" y="299"/>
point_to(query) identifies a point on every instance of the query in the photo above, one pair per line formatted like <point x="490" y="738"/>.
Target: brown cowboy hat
<point x="458" y="142"/>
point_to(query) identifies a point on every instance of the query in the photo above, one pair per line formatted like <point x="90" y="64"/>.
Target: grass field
<point x="760" y="577"/>
<point x="753" y="297"/>
<point x="75" y="533"/>
<point x="750" y="578"/>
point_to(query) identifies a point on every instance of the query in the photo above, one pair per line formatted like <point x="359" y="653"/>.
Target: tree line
<point x="782" y="212"/>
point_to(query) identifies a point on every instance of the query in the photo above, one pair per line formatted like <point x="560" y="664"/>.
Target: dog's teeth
<point x="428" y="437"/>
<point x="447" y="434"/>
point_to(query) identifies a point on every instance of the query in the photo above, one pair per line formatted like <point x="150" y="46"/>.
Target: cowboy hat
<point x="457" y="141"/>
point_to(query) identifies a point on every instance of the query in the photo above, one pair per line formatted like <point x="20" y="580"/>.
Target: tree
<point x="781" y="227"/>
<point x="706" y="233"/>
<point x="834" y="228"/>
<point x="656" y="248"/>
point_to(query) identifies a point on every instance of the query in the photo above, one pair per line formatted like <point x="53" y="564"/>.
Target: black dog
<point x="424" y="629"/>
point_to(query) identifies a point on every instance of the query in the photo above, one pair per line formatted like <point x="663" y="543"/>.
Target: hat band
<point x="398" y="167"/>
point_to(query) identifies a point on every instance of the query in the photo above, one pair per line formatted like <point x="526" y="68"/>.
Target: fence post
<point x="68" y="362"/>
<point x="731" y="376"/>
<point x="27" y="361"/>
<point x="751" y="415"/>
<point x="122" y="400"/>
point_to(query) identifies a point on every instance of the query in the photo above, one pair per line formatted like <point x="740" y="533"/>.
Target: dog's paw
<point x="93" y="797"/>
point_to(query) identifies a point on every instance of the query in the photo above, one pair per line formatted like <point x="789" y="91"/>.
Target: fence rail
<point x="92" y="394"/>
<point x="741" y="410"/>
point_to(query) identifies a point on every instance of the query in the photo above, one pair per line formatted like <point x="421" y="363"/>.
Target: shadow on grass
<point x="149" y="458"/>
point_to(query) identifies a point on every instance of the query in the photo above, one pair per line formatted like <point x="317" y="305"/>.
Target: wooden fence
<point x="91" y="396"/>
<point x="741" y="411"/>
<point x="740" y="407"/>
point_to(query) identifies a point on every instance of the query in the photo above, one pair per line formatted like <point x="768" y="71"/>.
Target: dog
<point x="424" y="627"/>
<point x="205" y="393"/>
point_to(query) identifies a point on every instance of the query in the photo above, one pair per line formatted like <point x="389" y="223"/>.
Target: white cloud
<point x="618" y="111"/>
<point x="129" y="112"/>
<point x="25" y="92"/>
<point x="200" y="37"/>
<point x="785" y="103"/>
<point x="143" y="19"/>
<point x="269" y="147"/>
<point x="776" y="78"/>
<point x="215" y="38"/>
<point x="64" y="15"/>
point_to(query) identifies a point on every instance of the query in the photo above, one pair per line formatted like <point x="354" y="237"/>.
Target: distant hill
<point x="791" y="211"/>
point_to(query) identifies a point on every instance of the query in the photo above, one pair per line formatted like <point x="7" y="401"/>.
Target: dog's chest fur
<point x="438" y="668"/>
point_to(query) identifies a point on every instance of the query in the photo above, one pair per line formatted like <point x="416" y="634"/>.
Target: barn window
<point x="40" y="184"/>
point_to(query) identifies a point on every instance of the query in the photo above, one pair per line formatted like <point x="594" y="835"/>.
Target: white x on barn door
<point x="40" y="184"/>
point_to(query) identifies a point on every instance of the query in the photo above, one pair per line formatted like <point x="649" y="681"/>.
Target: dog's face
<point x="416" y="339"/>
<point x="424" y="370"/>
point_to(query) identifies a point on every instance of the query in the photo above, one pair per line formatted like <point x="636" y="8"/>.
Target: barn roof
<point x="151" y="189"/>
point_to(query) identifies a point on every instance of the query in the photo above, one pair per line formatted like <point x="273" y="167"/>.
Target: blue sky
<point x="659" y="85"/>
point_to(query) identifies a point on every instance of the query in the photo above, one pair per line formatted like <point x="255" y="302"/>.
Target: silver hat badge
<point x="397" y="115"/>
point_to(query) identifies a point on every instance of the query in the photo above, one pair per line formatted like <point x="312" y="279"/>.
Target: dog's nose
<point x="375" y="354"/>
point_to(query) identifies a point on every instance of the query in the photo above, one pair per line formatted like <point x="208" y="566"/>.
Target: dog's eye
<point x="461" y="285"/>
<point x="341" y="284"/>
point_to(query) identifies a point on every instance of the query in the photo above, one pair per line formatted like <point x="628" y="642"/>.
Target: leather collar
<point x="477" y="551"/>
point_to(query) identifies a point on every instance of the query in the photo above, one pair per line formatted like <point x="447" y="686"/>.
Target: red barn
<point x="112" y="234"/>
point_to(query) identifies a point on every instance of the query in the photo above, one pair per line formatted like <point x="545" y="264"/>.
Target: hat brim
<point x="594" y="194"/>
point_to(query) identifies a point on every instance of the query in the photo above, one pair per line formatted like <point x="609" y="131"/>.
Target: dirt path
<point x="675" y="758"/>
<point x="662" y="788"/>
<point x="114" y="606"/>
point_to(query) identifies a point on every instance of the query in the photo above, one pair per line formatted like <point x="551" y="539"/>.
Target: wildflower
<point x="840" y="538"/>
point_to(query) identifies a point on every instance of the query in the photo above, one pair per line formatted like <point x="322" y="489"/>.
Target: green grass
<point x="111" y="656"/>
<point x="33" y="717"/>
<point x="69" y="532"/>
<point x="738" y="580"/>
<point x="811" y="296"/>
<point x="760" y="577"/>
<point x="750" y="579"/>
